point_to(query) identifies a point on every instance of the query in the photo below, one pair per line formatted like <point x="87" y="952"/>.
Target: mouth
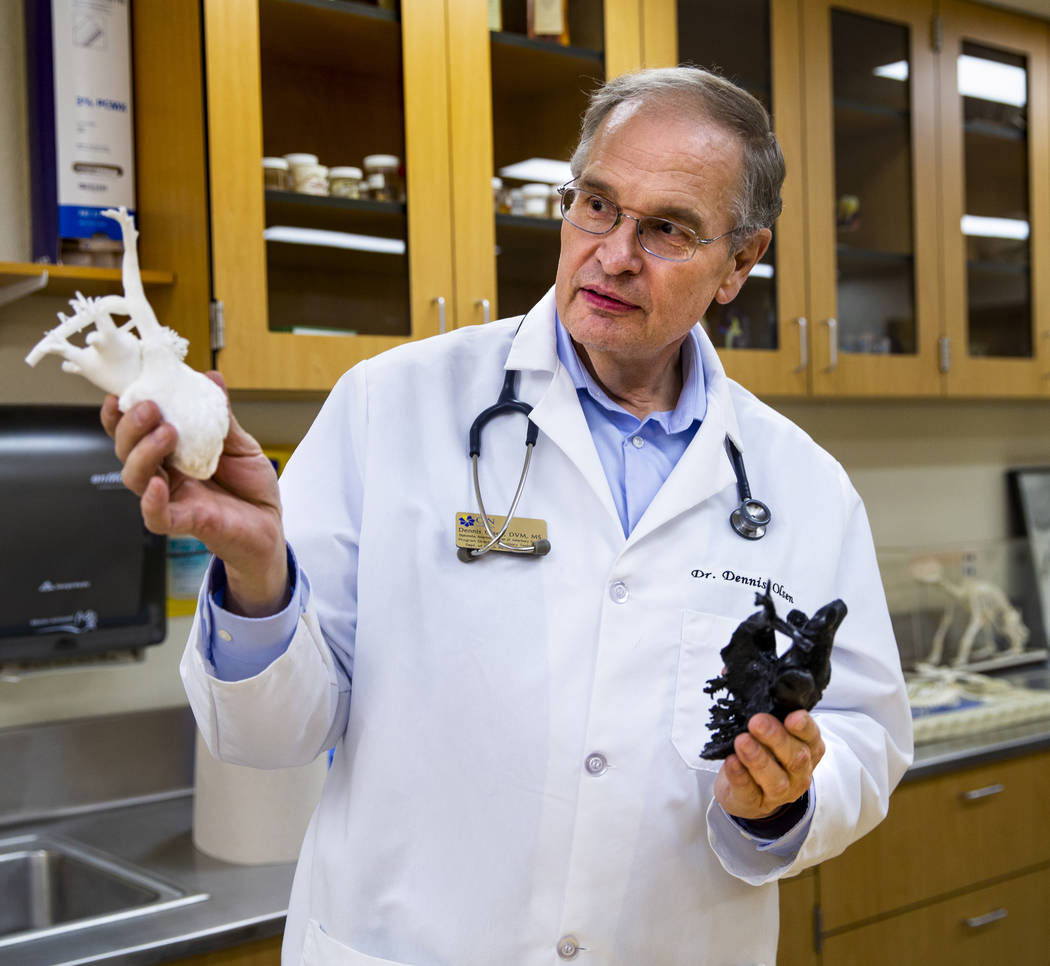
<point x="605" y="300"/>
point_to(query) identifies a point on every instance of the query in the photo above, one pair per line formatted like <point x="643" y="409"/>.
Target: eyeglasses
<point x="661" y="237"/>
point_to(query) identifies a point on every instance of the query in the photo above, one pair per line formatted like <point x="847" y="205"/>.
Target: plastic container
<point x="344" y="182"/>
<point x="310" y="179"/>
<point x="500" y="197"/>
<point x="382" y="175"/>
<point x="536" y="200"/>
<point x="275" y="174"/>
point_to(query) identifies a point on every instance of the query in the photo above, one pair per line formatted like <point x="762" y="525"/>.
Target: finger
<point x="110" y="415"/>
<point x="156" y="506"/>
<point x="804" y="727"/>
<point x="145" y="460"/>
<point x="130" y="427"/>
<point x="238" y="441"/>
<point x="765" y="769"/>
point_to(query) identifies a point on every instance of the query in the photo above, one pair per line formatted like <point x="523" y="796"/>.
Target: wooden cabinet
<point x="171" y="165"/>
<point x="959" y="872"/>
<point x="262" y="952"/>
<point x="430" y="84"/>
<point x="878" y="286"/>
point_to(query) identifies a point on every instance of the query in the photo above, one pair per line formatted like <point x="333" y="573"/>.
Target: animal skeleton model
<point x="759" y="681"/>
<point x="990" y="615"/>
<point x="144" y="366"/>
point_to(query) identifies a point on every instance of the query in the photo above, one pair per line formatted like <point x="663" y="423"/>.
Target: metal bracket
<point x="217" y="325"/>
<point x="19" y="290"/>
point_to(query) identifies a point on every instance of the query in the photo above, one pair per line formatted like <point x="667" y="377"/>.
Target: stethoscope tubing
<point x="749" y="520"/>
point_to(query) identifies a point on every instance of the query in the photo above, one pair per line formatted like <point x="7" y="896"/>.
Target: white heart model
<point x="146" y="366"/>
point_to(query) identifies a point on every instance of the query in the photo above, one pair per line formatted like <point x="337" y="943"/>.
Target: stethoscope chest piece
<point x="750" y="519"/>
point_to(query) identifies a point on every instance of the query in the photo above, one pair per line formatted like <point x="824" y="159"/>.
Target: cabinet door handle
<point x="976" y="794"/>
<point x="975" y="922"/>
<point x="486" y="310"/>
<point x="833" y="344"/>
<point x="440" y="303"/>
<point x="803" y="344"/>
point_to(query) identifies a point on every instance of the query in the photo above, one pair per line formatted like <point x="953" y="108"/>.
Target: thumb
<point x="238" y="441"/>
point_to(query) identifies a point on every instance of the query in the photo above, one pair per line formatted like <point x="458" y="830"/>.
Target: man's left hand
<point x="771" y="766"/>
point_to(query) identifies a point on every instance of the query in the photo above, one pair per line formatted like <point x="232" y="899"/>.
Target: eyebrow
<point x="685" y="216"/>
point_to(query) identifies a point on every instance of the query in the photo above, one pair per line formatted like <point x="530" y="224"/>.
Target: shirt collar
<point x="692" y="403"/>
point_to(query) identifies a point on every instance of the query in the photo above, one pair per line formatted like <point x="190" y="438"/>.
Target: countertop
<point x="243" y="902"/>
<point x="250" y="902"/>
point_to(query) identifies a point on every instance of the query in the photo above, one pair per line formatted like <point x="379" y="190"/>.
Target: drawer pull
<point x="976" y="794"/>
<point x="975" y="922"/>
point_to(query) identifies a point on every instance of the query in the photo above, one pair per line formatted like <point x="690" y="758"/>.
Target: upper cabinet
<point x="995" y="148"/>
<point x="912" y="257"/>
<point x="913" y="253"/>
<point x="311" y="284"/>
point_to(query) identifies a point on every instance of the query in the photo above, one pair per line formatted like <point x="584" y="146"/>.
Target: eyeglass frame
<point x="621" y="214"/>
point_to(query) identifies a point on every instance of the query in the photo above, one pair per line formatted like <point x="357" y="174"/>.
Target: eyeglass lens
<point x="598" y="215"/>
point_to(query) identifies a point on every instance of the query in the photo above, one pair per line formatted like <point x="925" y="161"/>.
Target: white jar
<point x="382" y="174"/>
<point x="536" y="200"/>
<point x="344" y="182"/>
<point x="310" y="179"/>
<point x="275" y="174"/>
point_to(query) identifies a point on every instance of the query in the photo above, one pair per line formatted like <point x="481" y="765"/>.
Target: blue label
<point x="78" y="221"/>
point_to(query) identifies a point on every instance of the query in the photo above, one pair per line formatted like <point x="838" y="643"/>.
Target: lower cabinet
<point x="958" y="873"/>
<point x="1002" y="923"/>
<point x="263" y="952"/>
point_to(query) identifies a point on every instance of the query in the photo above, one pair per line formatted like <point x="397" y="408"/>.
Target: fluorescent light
<point x="994" y="227"/>
<point x="538" y="169"/>
<point x="761" y="270"/>
<point x="992" y="81"/>
<point x="334" y="239"/>
<point x="897" y="71"/>
<point x="977" y="77"/>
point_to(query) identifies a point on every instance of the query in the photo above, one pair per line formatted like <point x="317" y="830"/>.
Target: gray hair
<point x="715" y="99"/>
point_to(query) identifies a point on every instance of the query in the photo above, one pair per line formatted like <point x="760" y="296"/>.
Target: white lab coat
<point x="459" y="825"/>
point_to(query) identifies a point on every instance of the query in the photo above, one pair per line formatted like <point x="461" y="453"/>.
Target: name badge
<point x="522" y="532"/>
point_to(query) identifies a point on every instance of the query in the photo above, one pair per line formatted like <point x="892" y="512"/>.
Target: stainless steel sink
<point x="49" y="885"/>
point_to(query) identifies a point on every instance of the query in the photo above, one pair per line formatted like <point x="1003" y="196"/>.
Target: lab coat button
<point x="568" y="947"/>
<point x="619" y="592"/>
<point x="638" y="442"/>
<point x="597" y="764"/>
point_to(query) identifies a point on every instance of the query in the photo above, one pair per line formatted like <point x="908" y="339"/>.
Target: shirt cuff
<point x="242" y="647"/>
<point x="783" y="834"/>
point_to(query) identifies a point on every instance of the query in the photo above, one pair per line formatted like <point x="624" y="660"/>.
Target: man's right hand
<point x="236" y="514"/>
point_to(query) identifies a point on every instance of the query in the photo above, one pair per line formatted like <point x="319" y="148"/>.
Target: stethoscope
<point x="750" y="519"/>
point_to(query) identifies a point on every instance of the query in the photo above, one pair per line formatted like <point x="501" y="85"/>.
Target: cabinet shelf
<point x="69" y="279"/>
<point x="385" y="218"/>
<point x="328" y="30"/>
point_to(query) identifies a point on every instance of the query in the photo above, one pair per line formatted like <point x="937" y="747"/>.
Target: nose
<point x="619" y="250"/>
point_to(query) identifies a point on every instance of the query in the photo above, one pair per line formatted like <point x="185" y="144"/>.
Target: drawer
<point x="798" y="906"/>
<point x="1003" y="923"/>
<point x="943" y="834"/>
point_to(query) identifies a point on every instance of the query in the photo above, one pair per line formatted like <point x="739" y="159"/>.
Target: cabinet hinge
<point x="217" y="325"/>
<point x="944" y="353"/>
<point x="936" y="33"/>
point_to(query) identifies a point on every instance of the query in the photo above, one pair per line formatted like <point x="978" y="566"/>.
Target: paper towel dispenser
<point x="79" y="573"/>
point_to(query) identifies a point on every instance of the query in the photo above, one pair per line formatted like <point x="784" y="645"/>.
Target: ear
<point x="741" y="263"/>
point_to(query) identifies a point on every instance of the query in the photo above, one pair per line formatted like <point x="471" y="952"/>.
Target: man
<point x="517" y="775"/>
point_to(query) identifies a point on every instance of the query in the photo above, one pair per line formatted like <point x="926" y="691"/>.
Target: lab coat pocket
<point x="320" y="949"/>
<point x="699" y="660"/>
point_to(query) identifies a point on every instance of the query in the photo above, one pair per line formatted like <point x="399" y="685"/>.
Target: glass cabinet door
<point x="513" y="133"/>
<point x="348" y="251"/>
<point x="871" y="172"/>
<point x="994" y="101"/>
<point x="762" y="334"/>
